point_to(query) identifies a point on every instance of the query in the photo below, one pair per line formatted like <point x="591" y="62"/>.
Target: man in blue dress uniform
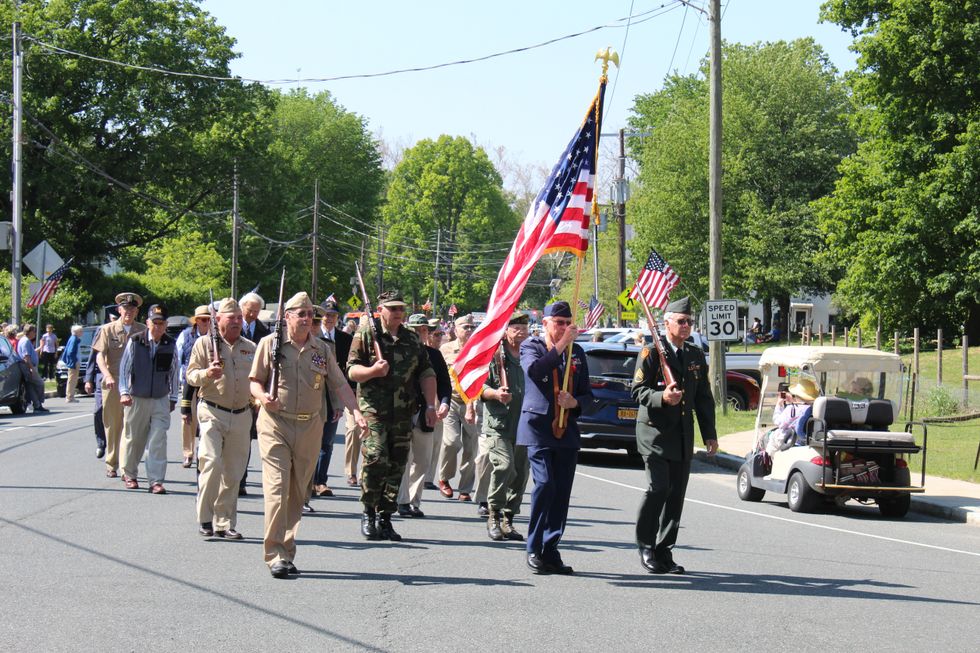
<point x="552" y="451"/>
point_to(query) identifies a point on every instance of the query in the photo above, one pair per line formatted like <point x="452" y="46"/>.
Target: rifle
<point x="668" y="373"/>
<point x="370" y="313"/>
<point x="277" y="341"/>
<point x="215" y="338"/>
<point x="501" y="363"/>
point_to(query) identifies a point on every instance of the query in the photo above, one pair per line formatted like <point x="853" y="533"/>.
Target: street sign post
<point x="721" y="317"/>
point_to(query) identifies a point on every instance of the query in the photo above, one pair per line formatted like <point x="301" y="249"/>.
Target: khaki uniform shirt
<point x="231" y="389"/>
<point x="450" y="351"/>
<point x="110" y="342"/>
<point x="305" y="369"/>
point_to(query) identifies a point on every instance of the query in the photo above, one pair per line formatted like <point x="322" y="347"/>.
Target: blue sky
<point x="529" y="103"/>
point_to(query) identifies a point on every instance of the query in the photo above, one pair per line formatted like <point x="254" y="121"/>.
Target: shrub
<point x="940" y="402"/>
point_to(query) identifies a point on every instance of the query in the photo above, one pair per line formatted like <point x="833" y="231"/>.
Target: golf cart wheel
<point x="895" y="506"/>
<point x="800" y="495"/>
<point x="744" y="485"/>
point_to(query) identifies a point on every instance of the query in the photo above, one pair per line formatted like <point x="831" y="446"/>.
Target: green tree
<point x="904" y="217"/>
<point x="446" y="192"/>
<point x="784" y="132"/>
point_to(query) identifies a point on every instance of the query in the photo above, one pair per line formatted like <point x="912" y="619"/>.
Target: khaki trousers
<point x="289" y="450"/>
<point x="112" y="420"/>
<point x="72" y="383"/>
<point x="222" y="455"/>
<point x="417" y="467"/>
<point x="483" y="470"/>
<point x="188" y="431"/>
<point x="352" y="444"/>
<point x="435" y="461"/>
<point x="146" y="424"/>
<point x="456" y="435"/>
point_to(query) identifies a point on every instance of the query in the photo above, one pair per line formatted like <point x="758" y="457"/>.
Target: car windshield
<point x="617" y="364"/>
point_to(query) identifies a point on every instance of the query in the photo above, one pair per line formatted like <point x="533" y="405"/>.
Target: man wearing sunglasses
<point x="665" y="434"/>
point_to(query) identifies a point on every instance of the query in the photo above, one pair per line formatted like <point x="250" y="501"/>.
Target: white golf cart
<point x="844" y="449"/>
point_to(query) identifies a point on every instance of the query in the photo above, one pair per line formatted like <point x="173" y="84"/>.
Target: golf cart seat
<point x="846" y="422"/>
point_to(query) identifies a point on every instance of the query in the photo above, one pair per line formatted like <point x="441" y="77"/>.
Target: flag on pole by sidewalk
<point x="558" y="220"/>
<point x="583" y="305"/>
<point x="49" y="286"/>
<point x="596" y="309"/>
<point x="656" y="280"/>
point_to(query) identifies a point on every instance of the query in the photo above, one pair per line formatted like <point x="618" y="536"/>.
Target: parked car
<point x="848" y="449"/>
<point x="610" y="422"/>
<point x="627" y="336"/>
<point x="13" y="392"/>
<point x="84" y="351"/>
<point x="607" y="333"/>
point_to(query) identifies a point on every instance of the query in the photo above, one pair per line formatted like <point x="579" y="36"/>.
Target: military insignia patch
<point x="318" y="361"/>
<point x="638" y="376"/>
<point x="644" y="352"/>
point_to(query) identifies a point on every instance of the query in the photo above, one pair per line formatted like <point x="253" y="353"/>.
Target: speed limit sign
<point x="722" y="319"/>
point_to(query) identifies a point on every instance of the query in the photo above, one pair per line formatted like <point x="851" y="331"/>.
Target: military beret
<point x="417" y="320"/>
<point x="129" y="299"/>
<point x="156" y="312"/>
<point x="464" y="320"/>
<point x="391" y="298"/>
<point x="682" y="306"/>
<point x="558" y="309"/>
<point x="228" y="305"/>
<point x="519" y="318"/>
<point x="299" y="300"/>
<point x="201" y="312"/>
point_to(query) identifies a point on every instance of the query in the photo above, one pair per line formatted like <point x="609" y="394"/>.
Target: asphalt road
<point x="90" y="566"/>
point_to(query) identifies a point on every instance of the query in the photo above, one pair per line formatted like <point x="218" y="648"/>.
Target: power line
<point x="302" y="80"/>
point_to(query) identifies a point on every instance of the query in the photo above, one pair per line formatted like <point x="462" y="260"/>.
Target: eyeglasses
<point x="684" y="322"/>
<point x="468" y="327"/>
<point x="395" y="309"/>
<point x="302" y="313"/>
<point x="561" y="322"/>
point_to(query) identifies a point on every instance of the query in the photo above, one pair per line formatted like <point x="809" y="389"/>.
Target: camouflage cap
<point x="129" y="299"/>
<point x="299" y="300"/>
<point x="391" y="298"/>
<point x="519" y="318"/>
<point x="417" y="320"/>
<point x="434" y="323"/>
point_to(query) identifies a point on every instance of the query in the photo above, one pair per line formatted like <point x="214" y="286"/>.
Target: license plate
<point x="626" y="413"/>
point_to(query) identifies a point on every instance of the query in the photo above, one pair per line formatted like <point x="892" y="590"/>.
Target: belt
<point x="299" y="417"/>
<point x="233" y="411"/>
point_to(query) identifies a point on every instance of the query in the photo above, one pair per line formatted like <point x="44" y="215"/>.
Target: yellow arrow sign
<point x="354" y="302"/>
<point x="624" y="299"/>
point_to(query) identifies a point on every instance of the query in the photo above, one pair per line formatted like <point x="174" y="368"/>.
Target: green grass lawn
<point x="950" y="450"/>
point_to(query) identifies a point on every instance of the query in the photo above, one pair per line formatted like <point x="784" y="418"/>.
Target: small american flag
<point x="656" y="280"/>
<point x="453" y="310"/>
<point x="596" y="309"/>
<point x="330" y="298"/>
<point x="49" y="286"/>
<point x="583" y="305"/>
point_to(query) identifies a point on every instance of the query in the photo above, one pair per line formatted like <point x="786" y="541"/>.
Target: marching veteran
<point x="389" y="398"/>
<point x="290" y="424"/>
<point x="225" y="418"/>
<point x="110" y="342"/>
<point x="665" y="434"/>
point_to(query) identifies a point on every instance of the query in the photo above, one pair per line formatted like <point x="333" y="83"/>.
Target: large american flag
<point x="558" y="220"/>
<point x="596" y="309"/>
<point x="47" y="288"/>
<point x="656" y="280"/>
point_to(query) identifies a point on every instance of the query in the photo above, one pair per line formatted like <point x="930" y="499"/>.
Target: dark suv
<point x="610" y="422"/>
<point x="13" y="392"/>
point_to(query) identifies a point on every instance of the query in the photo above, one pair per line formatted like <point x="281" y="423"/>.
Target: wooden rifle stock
<point x="668" y="373"/>
<point x="370" y="313"/>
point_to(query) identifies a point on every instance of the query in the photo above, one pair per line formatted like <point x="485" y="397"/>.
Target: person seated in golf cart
<point x="793" y="408"/>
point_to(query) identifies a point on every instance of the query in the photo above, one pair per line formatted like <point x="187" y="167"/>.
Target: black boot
<point x="493" y="526"/>
<point x="368" y="527"/>
<point x="385" y="530"/>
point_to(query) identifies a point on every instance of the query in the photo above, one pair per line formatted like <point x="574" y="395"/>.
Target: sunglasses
<point x="468" y="327"/>
<point x="302" y="313"/>
<point x="684" y="322"/>
<point x="561" y="322"/>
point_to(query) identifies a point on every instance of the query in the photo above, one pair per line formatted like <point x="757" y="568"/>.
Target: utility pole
<point x="381" y="255"/>
<point x="621" y="212"/>
<point x="316" y="232"/>
<point x="717" y="357"/>
<point x="234" y="232"/>
<point x="17" y="193"/>
<point x="435" y="280"/>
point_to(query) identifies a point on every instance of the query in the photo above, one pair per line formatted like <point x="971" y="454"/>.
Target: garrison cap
<point x="156" y="312"/>
<point x="202" y="312"/>
<point x="129" y="299"/>
<point x="391" y="298"/>
<point x="682" y="306"/>
<point x="558" y="309"/>
<point x="417" y="320"/>
<point x="228" y="305"/>
<point x="299" y="300"/>
<point x="519" y="318"/>
<point x="464" y="320"/>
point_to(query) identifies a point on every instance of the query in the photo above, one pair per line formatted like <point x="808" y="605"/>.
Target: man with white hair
<point x="70" y="358"/>
<point x="252" y="329"/>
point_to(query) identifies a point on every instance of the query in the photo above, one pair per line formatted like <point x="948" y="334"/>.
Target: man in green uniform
<point x="388" y="399"/>
<point x="665" y="434"/>
<point x="502" y="397"/>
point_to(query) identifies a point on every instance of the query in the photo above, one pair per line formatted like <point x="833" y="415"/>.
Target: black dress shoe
<point x="293" y="571"/>
<point x="307" y="508"/>
<point x="242" y="492"/>
<point x="656" y="565"/>
<point x="99" y="452"/>
<point x="537" y="564"/>
<point x="368" y="527"/>
<point x="230" y="534"/>
<point x="647" y="560"/>
<point x="405" y="510"/>
<point x="555" y="563"/>
<point x="206" y="529"/>
<point x="430" y="486"/>
<point x="416" y="512"/>
<point x="280" y="569"/>
<point x="385" y="530"/>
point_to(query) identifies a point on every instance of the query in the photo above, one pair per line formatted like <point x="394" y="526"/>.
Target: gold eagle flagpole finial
<point x="607" y="55"/>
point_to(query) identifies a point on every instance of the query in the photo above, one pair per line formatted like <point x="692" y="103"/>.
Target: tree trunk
<point x="767" y="314"/>
<point x="784" y="320"/>
<point x="972" y="324"/>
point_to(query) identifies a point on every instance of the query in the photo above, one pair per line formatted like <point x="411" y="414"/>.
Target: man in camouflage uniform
<point x="388" y="399"/>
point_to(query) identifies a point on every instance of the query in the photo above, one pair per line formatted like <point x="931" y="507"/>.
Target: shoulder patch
<point x="644" y="352"/>
<point x="638" y="375"/>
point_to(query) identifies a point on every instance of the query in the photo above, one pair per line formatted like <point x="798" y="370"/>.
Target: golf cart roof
<point x="845" y="359"/>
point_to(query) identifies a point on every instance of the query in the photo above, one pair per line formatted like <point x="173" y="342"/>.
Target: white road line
<point x="791" y="521"/>
<point x="54" y="421"/>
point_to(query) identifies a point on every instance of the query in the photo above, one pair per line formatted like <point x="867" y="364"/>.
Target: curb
<point x="920" y="504"/>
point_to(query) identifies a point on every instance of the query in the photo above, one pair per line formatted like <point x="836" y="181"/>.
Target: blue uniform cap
<point x="558" y="309"/>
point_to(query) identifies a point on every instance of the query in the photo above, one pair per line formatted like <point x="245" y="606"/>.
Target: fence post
<point x="820" y="334"/>
<point x="858" y="337"/>
<point x="878" y="338"/>
<point x="966" y="371"/>
<point x="847" y="337"/>
<point x="745" y="331"/>
<point x="896" y="342"/>
<point x="915" y="357"/>
<point x="939" y="356"/>
<point x="833" y="335"/>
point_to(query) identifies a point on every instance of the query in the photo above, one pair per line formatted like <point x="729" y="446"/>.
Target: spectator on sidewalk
<point x="28" y="355"/>
<point x="70" y="358"/>
<point x="49" y="353"/>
